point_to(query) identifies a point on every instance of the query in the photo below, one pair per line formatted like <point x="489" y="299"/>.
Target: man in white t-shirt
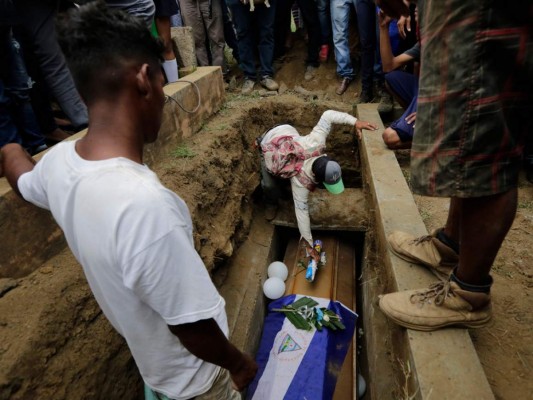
<point x="302" y="159"/>
<point x="132" y="236"/>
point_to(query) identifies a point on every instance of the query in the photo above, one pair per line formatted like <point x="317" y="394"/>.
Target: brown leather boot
<point x="343" y="86"/>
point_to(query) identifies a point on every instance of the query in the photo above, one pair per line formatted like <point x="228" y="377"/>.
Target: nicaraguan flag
<point x="299" y="364"/>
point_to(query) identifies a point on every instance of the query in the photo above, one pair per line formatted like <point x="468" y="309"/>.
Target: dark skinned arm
<point x="14" y="161"/>
<point x="388" y="60"/>
<point x="206" y="341"/>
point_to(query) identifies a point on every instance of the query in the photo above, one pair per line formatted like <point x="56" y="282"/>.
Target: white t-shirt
<point x="133" y="238"/>
<point x="317" y="137"/>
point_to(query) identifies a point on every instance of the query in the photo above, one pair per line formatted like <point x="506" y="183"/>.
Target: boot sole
<point x="470" y="324"/>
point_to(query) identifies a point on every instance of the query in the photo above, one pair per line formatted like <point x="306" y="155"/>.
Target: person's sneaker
<point x="343" y="86"/>
<point x="385" y="103"/>
<point x="425" y="250"/>
<point x="269" y="83"/>
<point x="442" y="304"/>
<point x="366" y="97"/>
<point x="324" y="53"/>
<point x="310" y="72"/>
<point x="247" y="86"/>
<point x="271" y="210"/>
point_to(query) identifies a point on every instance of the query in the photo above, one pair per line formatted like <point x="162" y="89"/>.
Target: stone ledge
<point x="445" y="364"/>
<point x="29" y="235"/>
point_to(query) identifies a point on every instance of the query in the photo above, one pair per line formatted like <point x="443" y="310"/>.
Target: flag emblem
<point x="288" y="344"/>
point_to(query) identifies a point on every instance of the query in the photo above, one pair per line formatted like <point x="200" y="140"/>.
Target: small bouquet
<point x="304" y="314"/>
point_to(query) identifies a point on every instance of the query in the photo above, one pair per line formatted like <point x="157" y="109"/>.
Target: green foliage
<point x="527" y="204"/>
<point x="183" y="152"/>
<point x="304" y="314"/>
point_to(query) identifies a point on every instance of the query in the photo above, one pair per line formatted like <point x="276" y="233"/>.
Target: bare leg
<point x="485" y="222"/>
<point x="451" y="229"/>
<point x="393" y="141"/>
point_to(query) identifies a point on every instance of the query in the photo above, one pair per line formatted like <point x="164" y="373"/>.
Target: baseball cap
<point x="328" y="172"/>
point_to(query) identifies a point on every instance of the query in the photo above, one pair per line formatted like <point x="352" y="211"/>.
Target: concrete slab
<point x="183" y="45"/>
<point x="444" y="363"/>
<point x="29" y="236"/>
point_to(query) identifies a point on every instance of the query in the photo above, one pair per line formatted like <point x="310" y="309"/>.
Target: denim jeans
<point x="229" y="31"/>
<point x="405" y="86"/>
<point x="366" y="21"/>
<point x="324" y="16"/>
<point x="247" y="25"/>
<point x="310" y="16"/>
<point x="17" y="120"/>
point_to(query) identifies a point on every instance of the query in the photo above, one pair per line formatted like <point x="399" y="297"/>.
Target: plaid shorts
<point x="475" y="105"/>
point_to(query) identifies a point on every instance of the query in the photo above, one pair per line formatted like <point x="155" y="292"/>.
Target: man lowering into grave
<point x="302" y="159"/>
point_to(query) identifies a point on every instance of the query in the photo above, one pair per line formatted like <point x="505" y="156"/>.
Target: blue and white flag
<point x="299" y="364"/>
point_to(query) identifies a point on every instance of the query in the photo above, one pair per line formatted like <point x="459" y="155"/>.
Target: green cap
<point x="328" y="172"/>
<point x="335" y="188"/>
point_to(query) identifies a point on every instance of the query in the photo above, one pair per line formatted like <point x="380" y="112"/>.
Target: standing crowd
<point x="471" y="100"/>
<point x="40" y="105"/>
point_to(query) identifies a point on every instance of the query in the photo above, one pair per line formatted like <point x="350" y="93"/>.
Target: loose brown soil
<point x="56" y="343"/>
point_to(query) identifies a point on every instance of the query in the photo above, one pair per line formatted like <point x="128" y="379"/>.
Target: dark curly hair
<point x="98" y="42"/>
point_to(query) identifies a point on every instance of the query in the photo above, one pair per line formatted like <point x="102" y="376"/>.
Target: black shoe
<point x="385" y="103"/>
<point x="366" y="97"/>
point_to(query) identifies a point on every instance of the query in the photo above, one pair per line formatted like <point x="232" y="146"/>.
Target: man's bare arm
<point x="388" y="60"/>
<point x="206" y="341"/>
<point x="14" y="161"/>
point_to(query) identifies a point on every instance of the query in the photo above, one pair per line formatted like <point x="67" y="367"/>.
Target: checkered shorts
<point x="475" y="105"/>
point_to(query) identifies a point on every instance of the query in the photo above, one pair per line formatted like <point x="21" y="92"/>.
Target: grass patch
<point x="183" y="152"/>
<point x="215" y="128"/>
<point x="425" y="215"/>
<point x="527" y="205"/>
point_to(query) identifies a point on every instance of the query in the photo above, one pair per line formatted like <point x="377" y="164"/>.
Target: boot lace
<point x="436" y="293"/>
<point x="422" y="239"/>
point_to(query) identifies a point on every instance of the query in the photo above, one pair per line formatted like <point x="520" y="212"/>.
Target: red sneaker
<point x="324" y="53"/>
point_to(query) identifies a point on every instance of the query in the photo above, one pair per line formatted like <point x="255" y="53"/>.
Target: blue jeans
<point x="324" y="17"/>
<point x="311" y="20"/>
<point x="405" y="86"/>
<point x="229" y="31"/>
<point x="17" y="120"/>
<point x="247" y="24"/>
<point x="366" y="21"/>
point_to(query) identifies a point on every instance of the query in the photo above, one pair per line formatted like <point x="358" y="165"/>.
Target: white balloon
<point x="278" y="270"/>
<point x="274" y="288"/>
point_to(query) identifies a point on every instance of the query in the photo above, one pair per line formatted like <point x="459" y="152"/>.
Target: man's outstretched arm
<point x="14" y="161"/>
<point x="206" y="341"/>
